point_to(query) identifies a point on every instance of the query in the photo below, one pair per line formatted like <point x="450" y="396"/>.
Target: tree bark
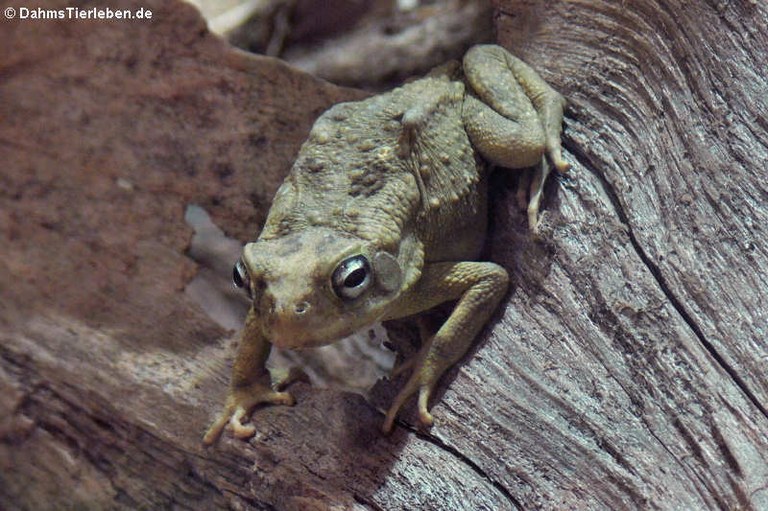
<point x="626" y="369"/>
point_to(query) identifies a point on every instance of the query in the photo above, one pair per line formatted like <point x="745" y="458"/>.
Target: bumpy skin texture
<point x="383" y="215"/>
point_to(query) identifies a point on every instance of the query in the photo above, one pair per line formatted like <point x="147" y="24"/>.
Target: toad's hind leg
<point x="512" y="116"/>
<point x="479" y="287"/>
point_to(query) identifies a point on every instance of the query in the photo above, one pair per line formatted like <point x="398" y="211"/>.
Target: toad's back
<point x="387" y="166"/>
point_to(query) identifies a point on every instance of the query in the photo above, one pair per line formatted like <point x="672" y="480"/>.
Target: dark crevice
<point x="440" y="444"/>
<point x="657" y="274"/>
<point x="366" y="502"/>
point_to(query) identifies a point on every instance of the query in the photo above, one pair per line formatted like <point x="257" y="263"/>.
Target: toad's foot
<point x="478" y="287"/>
<point x="555" y="154"/>
<point x="242" y="400"/>
<point x="535" y="194"/>
<point x="425" y="391"/>
<point x="531" y="189"/>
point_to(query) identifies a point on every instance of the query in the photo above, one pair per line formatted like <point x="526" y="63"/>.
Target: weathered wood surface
<point x="362" y="43"/>
<point x="626" y="370"/>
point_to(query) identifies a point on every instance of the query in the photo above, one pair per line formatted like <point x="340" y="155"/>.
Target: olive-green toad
<point x="383" y="216"/>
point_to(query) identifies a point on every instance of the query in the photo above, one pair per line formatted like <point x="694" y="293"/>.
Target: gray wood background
<point x="627" y="369"/>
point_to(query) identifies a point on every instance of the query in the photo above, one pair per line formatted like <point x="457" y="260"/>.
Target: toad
<point x="383" y="216"/>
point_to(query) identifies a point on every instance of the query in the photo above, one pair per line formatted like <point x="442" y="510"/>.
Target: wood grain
<point x="625" y="371"/>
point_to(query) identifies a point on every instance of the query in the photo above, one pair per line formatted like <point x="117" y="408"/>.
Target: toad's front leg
<point x="478" y="287"/>
<point x="252" y="383"/>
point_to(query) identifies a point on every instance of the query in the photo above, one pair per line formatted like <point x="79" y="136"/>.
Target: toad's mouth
<point x="296" y="343"/>
<point x="296" y="337"/>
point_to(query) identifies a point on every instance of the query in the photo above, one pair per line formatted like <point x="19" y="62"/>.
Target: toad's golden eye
<point x="240" y="277"/>
<point x="352" y="277"/>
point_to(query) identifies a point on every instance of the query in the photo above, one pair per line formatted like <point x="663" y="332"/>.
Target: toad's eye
<point x="240" y="276"/>
<point x="352" y="277"/>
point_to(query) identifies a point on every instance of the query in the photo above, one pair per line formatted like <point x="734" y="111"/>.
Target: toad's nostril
<point x="301" y="308"/>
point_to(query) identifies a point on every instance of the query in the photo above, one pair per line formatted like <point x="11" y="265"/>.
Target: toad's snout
<point x="289" y="312"/>
<point x="288" y="323"/>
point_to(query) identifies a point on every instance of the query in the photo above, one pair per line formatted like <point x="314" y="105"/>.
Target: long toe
<point x="425" y="418"/>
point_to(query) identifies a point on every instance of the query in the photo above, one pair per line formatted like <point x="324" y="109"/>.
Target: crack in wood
<point x="363" y="501"/>
<point x="442" y="445"/>
<point x="658" y="275"/>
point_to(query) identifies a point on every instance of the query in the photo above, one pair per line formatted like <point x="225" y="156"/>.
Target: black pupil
<point x="236" y="277"/>
<point x="355" y="278"/>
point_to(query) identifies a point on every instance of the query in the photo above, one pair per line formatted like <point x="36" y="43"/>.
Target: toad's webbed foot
<point x="243" y="399"/>
<point x="414" y="384"/>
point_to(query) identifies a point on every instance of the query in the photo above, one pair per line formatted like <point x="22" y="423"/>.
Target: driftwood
<point x="625" y="371"/>
<point x="364" y="43"/>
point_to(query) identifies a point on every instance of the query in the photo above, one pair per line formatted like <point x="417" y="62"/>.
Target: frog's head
<point x="313" y="287"/>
